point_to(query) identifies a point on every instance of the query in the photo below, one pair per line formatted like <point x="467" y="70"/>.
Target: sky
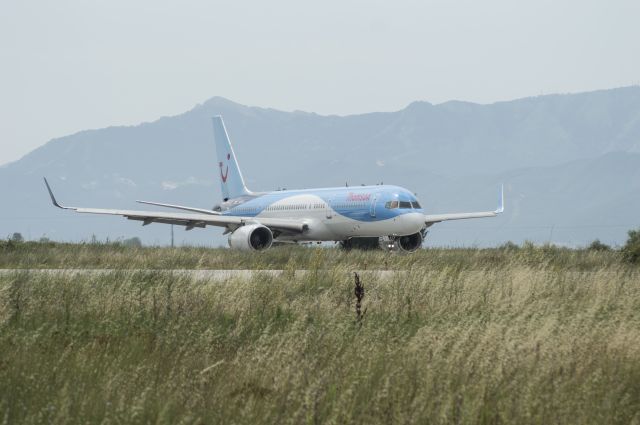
<point x="72" y="65"/>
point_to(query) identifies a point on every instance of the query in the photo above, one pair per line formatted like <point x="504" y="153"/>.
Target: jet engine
<point x="251" y="237"/>
<point x="409" y="243"/>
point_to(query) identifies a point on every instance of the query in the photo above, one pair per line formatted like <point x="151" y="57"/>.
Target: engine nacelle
<point x="409" y="243"/>
<point x="251" y="237"/>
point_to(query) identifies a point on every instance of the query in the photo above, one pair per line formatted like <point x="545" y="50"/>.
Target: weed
<point x="358" y="291"/>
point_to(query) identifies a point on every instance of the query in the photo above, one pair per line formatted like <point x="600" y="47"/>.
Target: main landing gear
<point x="408" y="243"/>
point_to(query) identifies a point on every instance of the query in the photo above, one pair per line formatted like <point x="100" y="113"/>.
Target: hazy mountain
<point x="570" y="164"/>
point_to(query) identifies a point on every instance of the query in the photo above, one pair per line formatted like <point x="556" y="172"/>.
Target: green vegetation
<point x="598" y="246"/>
<point x="16" y="237"/>
<point x="631" y="249"/>
<point x="510" y="335"/>
<point x="126" y="255"/>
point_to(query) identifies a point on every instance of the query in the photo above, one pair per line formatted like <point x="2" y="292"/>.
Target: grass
<point x="531" y="335"/>
<point x="34" y="255"/>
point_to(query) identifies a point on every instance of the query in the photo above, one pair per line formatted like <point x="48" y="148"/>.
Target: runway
<point x="197" y="274"/>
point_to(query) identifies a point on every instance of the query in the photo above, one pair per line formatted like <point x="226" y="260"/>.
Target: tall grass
<point x="467" y="338"/>
<point x="27" y="255"/>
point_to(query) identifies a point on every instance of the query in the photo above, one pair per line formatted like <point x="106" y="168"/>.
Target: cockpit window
<point x="416" y="205"/>
<point x="401" y="204"/>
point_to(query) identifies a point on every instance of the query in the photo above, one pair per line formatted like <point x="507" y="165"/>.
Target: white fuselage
<point x="336" y="214"/>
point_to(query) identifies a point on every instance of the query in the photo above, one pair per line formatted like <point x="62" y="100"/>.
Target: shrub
<point x="134" y="242"/>
<point x="631" y="249"/>
<point x="509" y="246"/>
<point x="598" y="246"/>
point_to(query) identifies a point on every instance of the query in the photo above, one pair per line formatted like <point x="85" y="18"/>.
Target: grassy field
<point x="34" y="255"/>
<point x="530" y="335"/>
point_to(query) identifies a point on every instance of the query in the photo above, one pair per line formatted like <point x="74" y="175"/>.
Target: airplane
<point x="382" y="215"/>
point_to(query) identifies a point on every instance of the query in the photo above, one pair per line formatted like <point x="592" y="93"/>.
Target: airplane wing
<point x="190" y="220"/>
<point x="180" y="207"/>
<point x="436" y="218"/>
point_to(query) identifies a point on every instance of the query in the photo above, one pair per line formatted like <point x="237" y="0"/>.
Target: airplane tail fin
<point x="231" y="180"/>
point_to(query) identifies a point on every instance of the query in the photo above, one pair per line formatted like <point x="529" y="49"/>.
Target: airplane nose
<point x="413" y="222"/>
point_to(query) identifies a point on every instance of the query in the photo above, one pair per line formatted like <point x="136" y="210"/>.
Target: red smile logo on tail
<point x="224" y="175"/>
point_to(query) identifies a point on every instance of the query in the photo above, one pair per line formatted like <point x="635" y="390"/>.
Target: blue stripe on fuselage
<point x="352" y="202"/>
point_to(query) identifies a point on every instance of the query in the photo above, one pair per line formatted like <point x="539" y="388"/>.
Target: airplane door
<point x="372" y="208"/>
<point x="328" y="209"/>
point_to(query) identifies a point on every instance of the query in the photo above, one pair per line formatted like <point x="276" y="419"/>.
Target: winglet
<point x="500" y="208"/>
<point x="53" y="198"/>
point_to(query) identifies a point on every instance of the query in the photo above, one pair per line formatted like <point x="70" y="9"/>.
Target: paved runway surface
<point x="214" y="275"/>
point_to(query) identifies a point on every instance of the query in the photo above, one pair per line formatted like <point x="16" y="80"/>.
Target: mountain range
<point x="570" y="164"/>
